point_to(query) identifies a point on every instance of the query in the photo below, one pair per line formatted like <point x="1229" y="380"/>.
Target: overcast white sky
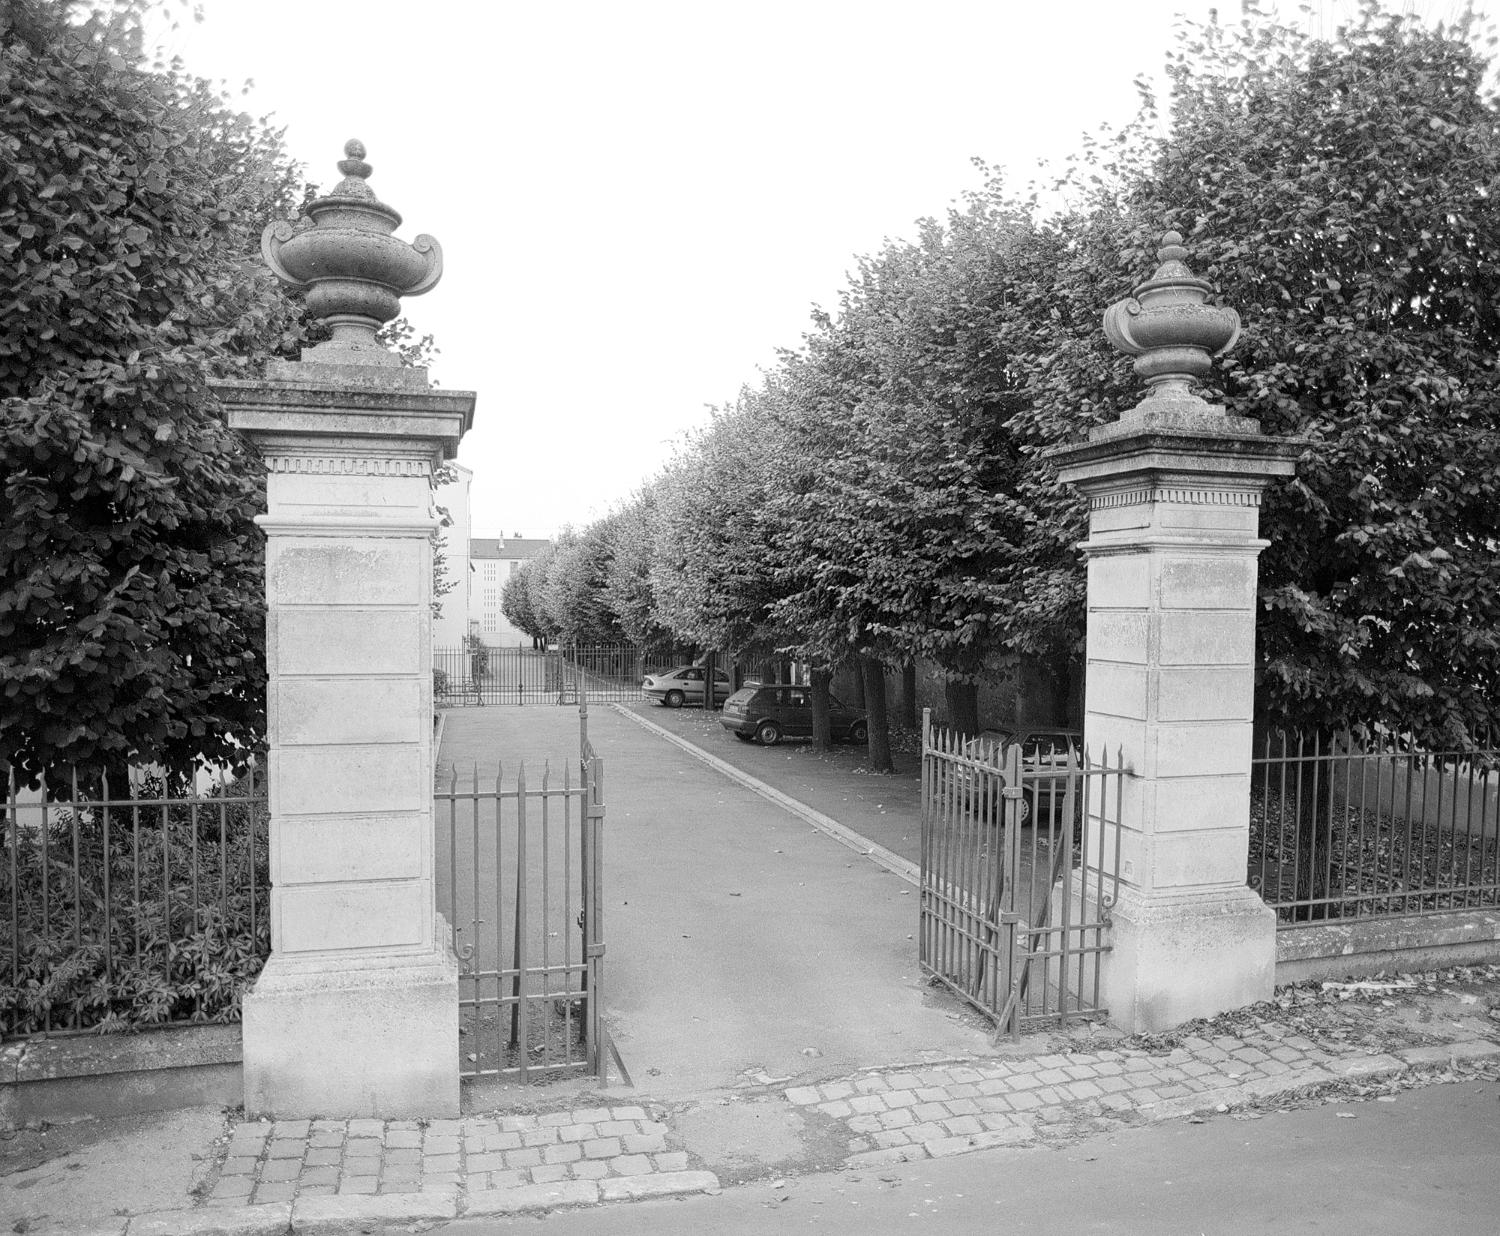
<point x="639" y="202"/>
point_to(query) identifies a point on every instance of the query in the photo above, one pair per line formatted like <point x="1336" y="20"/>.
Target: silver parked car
<point x="684" y="685"/>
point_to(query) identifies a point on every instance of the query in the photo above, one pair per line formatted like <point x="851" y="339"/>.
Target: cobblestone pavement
<point x="327" y="1176"/>
<point x="906" y="1114"/>
<point x="267" y="1162"/>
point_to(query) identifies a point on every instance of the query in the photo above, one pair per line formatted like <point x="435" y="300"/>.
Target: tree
<point x="1339" y="193"/>
<point x="131" y="203"/>
<point x="716" y="530"/>
<point x="901" y="525"/>
<point x="574" y="598"/>
<point x="521" y="597"/>
<point x="1370" y="283"/>
<point x="627" y="585"/>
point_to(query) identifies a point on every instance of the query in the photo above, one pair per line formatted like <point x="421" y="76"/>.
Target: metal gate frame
<point x="1014" y="916"/>
<point x="605" y="673"/>
<point x="524" y="867"/>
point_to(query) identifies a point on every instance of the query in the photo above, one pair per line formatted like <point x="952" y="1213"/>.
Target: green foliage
<point x="1340" y="195"/>
<point x="627" y="592"/>
<point x="161" y="944"/>
<point x="521" y="596"/>
<point x="886" y="491"/>
<point x="711" y="577"/>
<point x="479" y="657"/>
<point x="573" y="603"/>
<point x="442" y="584"/>
<point x="899" y="526"/>
<point x="131" y="202"/>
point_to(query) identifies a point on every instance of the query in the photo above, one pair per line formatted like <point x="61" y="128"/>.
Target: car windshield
<point x="1048" y="744"/>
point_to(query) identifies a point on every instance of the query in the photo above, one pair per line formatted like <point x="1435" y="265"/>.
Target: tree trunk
<point x="710" y="673"/>
<point x="822" y="723"/>
<point x="859" y="685"/>
<point x="962" y="699"/>
<point x="909" y="695"/>
<point x="872" y="672"/>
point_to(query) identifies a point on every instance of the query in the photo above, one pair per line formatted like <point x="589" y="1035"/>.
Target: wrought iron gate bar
<point x="1017" y="877"/>
<point x="524" y="1010"/>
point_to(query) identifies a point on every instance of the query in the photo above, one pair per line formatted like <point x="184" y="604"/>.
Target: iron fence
<point x="604" y="673"/>
<point x="1345" y="827"/>
<point x="125" y="906"/>
<point x="1019" y="869"/>
<point x="519" y="865"/>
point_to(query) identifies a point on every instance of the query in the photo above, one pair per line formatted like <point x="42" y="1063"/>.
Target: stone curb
<point x="878" y="854"/>
<point x="349" y="1216"/>
<point x="335" y="1216"/>
<point x="1295" y="1081"/>
<point x="271" y="1220"/>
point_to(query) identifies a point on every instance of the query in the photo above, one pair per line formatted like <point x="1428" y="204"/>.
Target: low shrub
<point x="127" y="918"/>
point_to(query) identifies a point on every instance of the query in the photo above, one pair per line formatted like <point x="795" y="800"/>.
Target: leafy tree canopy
<point x="887" y="492"/>
<point x="1340" y="195"/>
<point x="131" y="203"/>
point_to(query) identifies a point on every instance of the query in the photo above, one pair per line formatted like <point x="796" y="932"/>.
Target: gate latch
<point x="593" y="950"/>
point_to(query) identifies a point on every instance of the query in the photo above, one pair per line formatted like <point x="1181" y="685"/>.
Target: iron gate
<point x="477" y="675"/>
<point x="1020" y="866"/>
<point x="520" y="867"/>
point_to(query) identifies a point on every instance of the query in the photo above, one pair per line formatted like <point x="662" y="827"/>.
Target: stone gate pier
<point x="1174" y="490"/>
<point x="356" y="1011"/>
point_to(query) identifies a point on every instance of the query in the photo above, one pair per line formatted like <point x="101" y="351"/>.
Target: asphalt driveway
<point x="743" y="945"/>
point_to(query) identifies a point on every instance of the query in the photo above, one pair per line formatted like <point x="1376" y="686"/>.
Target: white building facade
<point x="494" y="560"/>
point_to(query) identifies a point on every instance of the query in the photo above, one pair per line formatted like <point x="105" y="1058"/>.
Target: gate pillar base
<point x="342" y="1039"/>
<point x="1176" y="958"/>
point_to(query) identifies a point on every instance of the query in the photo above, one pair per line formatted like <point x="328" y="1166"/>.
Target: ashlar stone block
<point x="344" y="571"/>
<point x="326" y="711"/>
<point x="319" y="641"/>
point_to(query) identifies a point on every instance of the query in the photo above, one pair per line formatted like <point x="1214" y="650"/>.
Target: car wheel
<point x="769" y="733"/>
<point x="859" y="732"/>
<point x="1026" y="811"/>
<point x="673" y="699"/>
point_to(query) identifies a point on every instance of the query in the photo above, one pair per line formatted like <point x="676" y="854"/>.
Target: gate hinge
<point x="594" y="811"/>
<point x="593" y="950"/>
<point x="1012" y="791"/>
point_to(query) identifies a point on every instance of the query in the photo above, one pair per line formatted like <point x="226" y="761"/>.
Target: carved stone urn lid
<point x="354" y="271"/>
<point x="1173" y="332"/>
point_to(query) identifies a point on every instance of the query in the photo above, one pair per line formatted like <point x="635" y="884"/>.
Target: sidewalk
<point x="717" y="1106"/>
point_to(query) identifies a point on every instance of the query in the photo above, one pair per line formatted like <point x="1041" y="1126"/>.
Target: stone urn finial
<point x="1172" y="331"/>
<point x="352" y="268"/>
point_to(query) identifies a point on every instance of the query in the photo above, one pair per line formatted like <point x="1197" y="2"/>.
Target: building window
<point x="511" y="569"/>
<point x="490" y="625"/>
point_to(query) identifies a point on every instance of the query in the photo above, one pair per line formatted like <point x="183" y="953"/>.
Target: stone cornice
<point x="276" y="413"/>
<point x="1189" y="461"/>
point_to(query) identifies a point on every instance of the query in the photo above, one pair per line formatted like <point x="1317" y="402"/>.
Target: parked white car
<point x="684" y="685"/>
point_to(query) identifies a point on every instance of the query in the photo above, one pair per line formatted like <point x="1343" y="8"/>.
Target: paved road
<point x="885" y="807"/>
<point x="1422" y="1163"/>
<point x="742" y="944"/>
